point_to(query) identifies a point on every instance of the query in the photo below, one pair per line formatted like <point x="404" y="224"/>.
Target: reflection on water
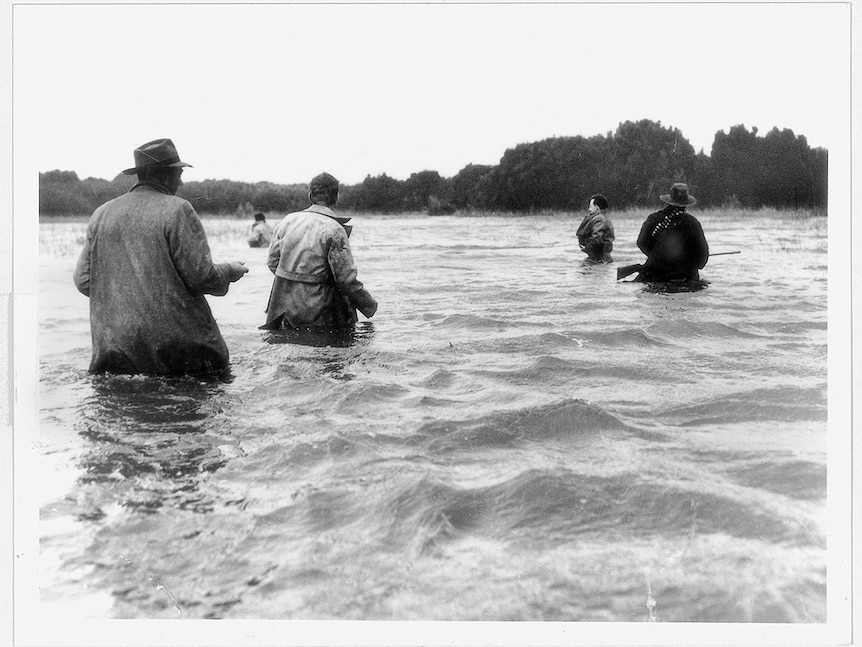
<point x="148" y="440"/>
<point x="673" y="287"/>
<point x="331" y="365"/>
<point x="322" y="337"/>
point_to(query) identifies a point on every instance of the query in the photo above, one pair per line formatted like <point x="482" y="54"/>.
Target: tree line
<point x="631" y="166"/>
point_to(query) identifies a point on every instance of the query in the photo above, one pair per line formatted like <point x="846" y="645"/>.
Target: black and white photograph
<point x="429" y="323"/>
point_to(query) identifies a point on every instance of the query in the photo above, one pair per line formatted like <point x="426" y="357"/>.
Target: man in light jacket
<point x="146" y="267"/>
<point x="596" y="232"/>
<point x="315" y="284"/>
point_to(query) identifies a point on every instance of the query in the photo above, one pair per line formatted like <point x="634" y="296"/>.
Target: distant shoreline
<point x="630" y="213"/>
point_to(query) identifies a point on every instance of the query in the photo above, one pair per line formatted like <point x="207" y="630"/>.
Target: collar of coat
<point x="150" y="184"/>
<point x="326" y="211"/>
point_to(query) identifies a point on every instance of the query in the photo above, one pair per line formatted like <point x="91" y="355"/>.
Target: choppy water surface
<point x="514" y="436"/>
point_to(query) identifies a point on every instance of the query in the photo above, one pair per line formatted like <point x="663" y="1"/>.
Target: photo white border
<point x="25" y="625"/>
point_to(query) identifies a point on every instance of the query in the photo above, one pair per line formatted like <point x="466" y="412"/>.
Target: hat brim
<point x="135" y="169"/>
<point x="666" y="198"/>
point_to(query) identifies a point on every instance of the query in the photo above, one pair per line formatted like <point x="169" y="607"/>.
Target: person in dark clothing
<point x="673" y="240"/>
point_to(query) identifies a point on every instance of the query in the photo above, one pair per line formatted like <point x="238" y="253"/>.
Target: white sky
<point x="281" y="92"/>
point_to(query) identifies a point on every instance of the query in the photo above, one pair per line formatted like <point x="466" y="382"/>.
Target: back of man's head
<point x="323" y="189"/>
<point x="600" y="201"/>
<point x="167" y="176"/>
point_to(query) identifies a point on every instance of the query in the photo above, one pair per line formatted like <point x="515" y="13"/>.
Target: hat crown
<point x="679" y="192"/>
<point x="678" y="196"/>
<point x="157" y="153"/>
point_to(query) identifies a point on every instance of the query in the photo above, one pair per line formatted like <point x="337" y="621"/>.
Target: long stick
<point x="626" y="270"/>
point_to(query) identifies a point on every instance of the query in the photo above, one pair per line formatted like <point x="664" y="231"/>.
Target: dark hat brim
<point x="135" y="169"/>
<point x="666" y="198"/>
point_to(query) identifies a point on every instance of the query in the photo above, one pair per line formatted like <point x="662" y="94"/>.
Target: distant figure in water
<point x="596" y="233"/>
<point x="673" y="240"/>
<point x="315" y="284"/>
<point x="146" y="267"/>
<point x="261" y="232"/>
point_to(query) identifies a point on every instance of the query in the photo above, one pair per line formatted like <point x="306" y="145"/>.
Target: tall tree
<point x="646" y="159"/>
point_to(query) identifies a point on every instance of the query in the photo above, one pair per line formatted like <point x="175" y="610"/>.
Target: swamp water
<point x="514" y="436"/>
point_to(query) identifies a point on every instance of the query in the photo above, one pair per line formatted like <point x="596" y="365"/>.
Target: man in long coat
<point x="673" y="240"/>
<point x="146" y="267"/>
<point x="315" y="284"/>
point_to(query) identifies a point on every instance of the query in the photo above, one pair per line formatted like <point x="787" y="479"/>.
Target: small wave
<point x="798" y="479"/>
<point x="668" y="330"/>
<point x="787" y="404"/>
<point x="539" y="370"/>
<point x="365" y="396"/>
<point x="473" y="322"/>
<point x="440" y="378"/>
<point x="582" y="503"/>
<point x="543" y="342"/>
<point x="428" y="512"/>
<point x="625" y="337"/>
<point x="566" y="419"/>
<point x="553" y="506"/>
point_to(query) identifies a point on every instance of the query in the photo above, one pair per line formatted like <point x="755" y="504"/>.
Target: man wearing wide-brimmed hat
<point x="673" y="240"/>
<point x="146" y="267"/>
<point x="315" y="284"/>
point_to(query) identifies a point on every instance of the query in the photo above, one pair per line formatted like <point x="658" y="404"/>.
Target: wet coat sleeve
<point x="340" y="260"/>
<point x="583" y="231"/>
<point x="701" y="248"/>
<point x="82" y="268"/>
<point x="190" y="253"/>
<point x="274" y="254"/>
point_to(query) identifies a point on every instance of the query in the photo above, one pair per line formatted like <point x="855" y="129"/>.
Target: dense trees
<point x="778" y="170"/>
<point x="632" y="166"/>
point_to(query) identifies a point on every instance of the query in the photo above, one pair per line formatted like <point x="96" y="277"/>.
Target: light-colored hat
<point x="678" y="196"/>
<point x="159" y="153"/>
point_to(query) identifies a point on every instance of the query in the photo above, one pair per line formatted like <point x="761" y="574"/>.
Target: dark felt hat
<point x="159" y="153"/>
<point x="259" y="216"/>
<point x="678" y="196"/>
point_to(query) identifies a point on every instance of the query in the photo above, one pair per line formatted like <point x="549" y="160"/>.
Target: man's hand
<point x="369" y="307"/>
<point x="237" y="269"/>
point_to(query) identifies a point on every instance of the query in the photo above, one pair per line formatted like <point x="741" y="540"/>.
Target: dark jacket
<point x="146" y="266"/>
<point x="675" y="246"/>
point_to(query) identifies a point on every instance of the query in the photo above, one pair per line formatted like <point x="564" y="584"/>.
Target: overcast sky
<point x="282" y="92"/>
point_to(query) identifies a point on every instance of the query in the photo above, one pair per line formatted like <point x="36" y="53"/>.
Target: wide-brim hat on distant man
<point x="159" y="153"/>
<point x="678" y="196"/>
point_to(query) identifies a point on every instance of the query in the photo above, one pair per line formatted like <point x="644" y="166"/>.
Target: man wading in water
<point x="596" y="232"/>
<point x="315" y="284"/>
<point x="146" y="267"/>
<point x="673" y="240"/>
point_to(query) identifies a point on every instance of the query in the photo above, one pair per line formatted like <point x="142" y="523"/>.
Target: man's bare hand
<point x="237" y="269"/>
